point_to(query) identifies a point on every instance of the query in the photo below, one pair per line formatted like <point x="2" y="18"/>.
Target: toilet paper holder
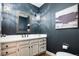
<point x="65" y="46"/>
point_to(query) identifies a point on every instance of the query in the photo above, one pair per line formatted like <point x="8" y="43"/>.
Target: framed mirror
<point x="23" y="22"/>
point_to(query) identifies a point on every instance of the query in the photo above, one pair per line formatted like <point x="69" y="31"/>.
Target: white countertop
<point x="11" y="38"/>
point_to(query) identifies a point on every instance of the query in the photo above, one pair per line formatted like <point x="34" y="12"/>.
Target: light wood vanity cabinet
<point x="8" y="49"/>
<point x="34" y="47"/>
<point x="23" y="48"/>
<point x="24" y="51"/>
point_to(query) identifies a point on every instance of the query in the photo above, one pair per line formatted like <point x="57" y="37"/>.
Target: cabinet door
<point x="24" y="51"/>
<point x="31" y="50"/>
<point x="35" y="49"/>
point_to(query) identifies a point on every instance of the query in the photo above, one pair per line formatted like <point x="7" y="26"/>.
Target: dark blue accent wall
<point x="9" y="17"/>
<point x="56" y="38"/>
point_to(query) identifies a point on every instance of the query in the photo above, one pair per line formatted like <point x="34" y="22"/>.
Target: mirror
<point x="23" y="23"/>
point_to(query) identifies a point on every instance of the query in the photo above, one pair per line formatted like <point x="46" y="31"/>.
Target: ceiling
<point x="37" y="4"/>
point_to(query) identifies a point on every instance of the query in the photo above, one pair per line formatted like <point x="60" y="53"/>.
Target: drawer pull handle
<point x="6" y="52"/>
<point x="43" y="43"/>
<point x="18" y="49"/>
<point x="29" y="47"/>
<point x="6" y="46"/>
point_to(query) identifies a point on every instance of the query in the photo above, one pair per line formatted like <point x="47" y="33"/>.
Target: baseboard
<point x="50" y="53"/>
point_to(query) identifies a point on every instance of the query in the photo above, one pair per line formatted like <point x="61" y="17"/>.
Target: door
<point x="24" y="51"/>
<point x="33" y="49"/>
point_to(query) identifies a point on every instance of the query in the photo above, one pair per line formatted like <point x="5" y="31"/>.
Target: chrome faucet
<point x="2" y="35"/>
<point x="28" y="29"/>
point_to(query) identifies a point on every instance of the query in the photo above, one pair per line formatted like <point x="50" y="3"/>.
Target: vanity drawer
<point x="42" y="49"/>
<point x="42" y="44"/>
<point x="34" y="41"/>
<point x="8" y="52"/>
<point x="44" y="39"/>
<point x="8" y="45"/>
<point x="23" y="42"/>
<point x="41" y="40"/>
<point x="24" y="46"/>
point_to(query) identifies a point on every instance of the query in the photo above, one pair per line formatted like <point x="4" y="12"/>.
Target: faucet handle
<point x="0" y="35"/>
<point x="4" y="35"/>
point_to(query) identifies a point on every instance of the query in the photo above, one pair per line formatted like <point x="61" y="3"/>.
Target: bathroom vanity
<point x="17" y="45"/>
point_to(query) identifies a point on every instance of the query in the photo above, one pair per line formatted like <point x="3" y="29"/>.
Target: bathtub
<point x="64" y="54"/>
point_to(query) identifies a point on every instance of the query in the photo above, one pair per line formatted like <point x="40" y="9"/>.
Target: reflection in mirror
<point x="23" y="23"/>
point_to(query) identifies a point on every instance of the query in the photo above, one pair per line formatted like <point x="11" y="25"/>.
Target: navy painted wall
<point x="56" y="38"/>
<point x="9" y="17"/>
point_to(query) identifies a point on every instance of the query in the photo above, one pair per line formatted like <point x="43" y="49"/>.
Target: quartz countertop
<point x="11" y="38"/>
